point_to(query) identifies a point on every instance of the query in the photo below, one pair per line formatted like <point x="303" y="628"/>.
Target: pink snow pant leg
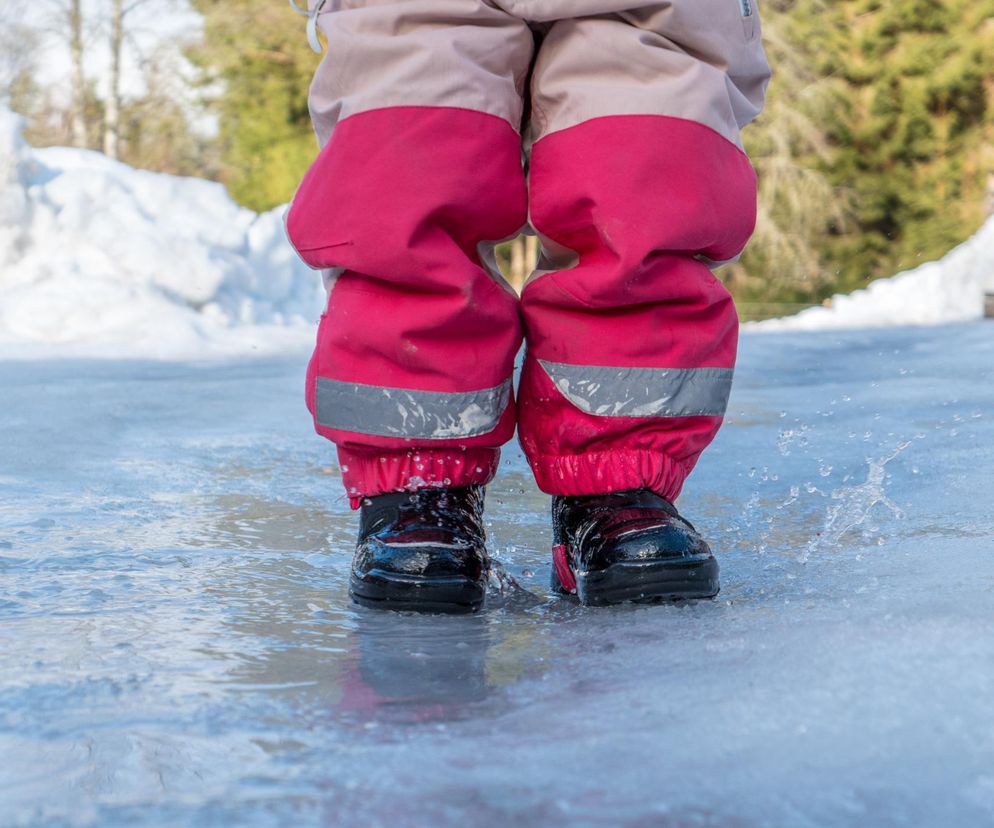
<point x="637" y="183"/>
<point x="630" y="352"/>
<point x="637" y="177"/>
<point x="418" y="109"/>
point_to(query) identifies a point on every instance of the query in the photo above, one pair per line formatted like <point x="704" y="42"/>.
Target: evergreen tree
<point x="899" y="95"/>
<point x="791" y="148"/>
<point x="918" y="129"/>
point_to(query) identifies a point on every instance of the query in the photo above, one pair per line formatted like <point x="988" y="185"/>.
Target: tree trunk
<point x="531" y="255"/>
<point x="524" y="256"/>
<point x="80" y="133"/>
<point x="518" y="262"/>
<point x="112" y="110"/>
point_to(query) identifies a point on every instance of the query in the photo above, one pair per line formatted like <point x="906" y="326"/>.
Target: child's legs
<point x="418" y="105"/>
<point x="636" y="167"/>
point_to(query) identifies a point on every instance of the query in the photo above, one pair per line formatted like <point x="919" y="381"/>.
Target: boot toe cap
<point x="421" y="556"/>
<point x="669" y="542"/>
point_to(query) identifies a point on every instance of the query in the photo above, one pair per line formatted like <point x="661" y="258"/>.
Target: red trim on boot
<point x="565" y="575"/>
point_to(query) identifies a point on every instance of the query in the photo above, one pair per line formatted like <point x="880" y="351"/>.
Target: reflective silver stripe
<point x="406" y="413"/>
<point x="643" y="392"/>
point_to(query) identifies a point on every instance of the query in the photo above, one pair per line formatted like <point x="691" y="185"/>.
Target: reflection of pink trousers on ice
<point x="636" y="183"/>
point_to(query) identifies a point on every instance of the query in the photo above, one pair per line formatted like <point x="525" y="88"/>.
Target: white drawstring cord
<point x="312" y="23"/>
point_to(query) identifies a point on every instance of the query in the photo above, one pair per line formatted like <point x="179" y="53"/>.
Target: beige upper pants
<point x="696" y="59"/>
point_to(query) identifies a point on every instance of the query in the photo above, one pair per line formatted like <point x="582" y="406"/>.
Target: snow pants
<point x="609" y="128"/>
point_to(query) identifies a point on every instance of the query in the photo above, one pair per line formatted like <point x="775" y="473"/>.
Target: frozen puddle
<point x="177" y="646"/>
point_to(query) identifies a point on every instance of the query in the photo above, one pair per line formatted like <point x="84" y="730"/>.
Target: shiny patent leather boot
<point x="422" y="550"/>
<point x="628" y="546"/>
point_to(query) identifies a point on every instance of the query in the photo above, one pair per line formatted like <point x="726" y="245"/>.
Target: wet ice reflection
<point x="177" y="645"/>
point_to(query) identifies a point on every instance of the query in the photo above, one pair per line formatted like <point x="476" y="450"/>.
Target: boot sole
<point x="648" y="582"/>
<point x="409" y="593"/>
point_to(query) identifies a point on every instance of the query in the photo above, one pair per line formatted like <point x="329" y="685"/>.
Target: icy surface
<point x="177" y="646"/>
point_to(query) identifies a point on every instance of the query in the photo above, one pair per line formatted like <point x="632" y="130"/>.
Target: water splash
<point x="504" y="587"/>
<point x="854" y="504"/>
<point x="792" y="438"/>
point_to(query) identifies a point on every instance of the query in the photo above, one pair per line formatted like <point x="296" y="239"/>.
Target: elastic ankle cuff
<point x="601" y="472"/>
<point x="367" y="473"/>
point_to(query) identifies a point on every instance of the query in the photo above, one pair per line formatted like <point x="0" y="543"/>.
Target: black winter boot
<point x="628" y="546"/>
<point x="421" y="550"/>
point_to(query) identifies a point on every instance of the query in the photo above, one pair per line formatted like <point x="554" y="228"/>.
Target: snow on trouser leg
<point x="637" y="170"/>
<point x="411" y="375"/>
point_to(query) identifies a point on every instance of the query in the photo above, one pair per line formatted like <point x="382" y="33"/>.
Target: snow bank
<point x="100" y="259"/>
<point x="948" y="290"/>
<point x="97" y="258"/>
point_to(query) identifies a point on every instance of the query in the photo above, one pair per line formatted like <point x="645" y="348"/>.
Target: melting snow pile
<point x="949" y="290"/>
<point x="99" y="258"/>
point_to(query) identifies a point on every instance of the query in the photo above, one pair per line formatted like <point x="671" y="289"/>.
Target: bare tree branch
<point x="80" y="133"/>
